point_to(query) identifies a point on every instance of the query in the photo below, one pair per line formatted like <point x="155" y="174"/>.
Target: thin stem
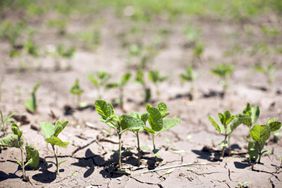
<point x="56" y="158"/>
<point x="119" y="150"/>
<point x="138" y="147"/>
<point x="153" y="139"/>
<point x="22" y="164"/>
<point x="224" y="147"/>
<point x="121" y="99"/>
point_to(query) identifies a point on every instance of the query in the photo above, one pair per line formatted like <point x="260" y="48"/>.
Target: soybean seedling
<point x="228" y="123"/>
<point x="250" y="115"/>
<point x="76" y="91"/>
<point x="224" y="72"/>
<point x="31" y="103"/>
<point x="120" y="85"/>
<point x="64" y="52"/>
<point x="189" y="76"/>
<point x="268" y="71"/>
<point x="156" y="78"/>
<point x="260" y="134"/>
<point x="119" y="123"/>
<point x="140" y="78"/>
<point x="5" y="122"/>
<point x="158" y="121"/>
<point x="99" y="80"/>
<point x="51" y="132"/>
<point x="198" y="50"/>
<point x="16" y="140"/>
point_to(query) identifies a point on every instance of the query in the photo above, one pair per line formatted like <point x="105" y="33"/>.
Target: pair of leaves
<point x="51" y="133"/>
<point x="76" y="89"/>
<point x="250" y="114"/>
<point x="32" y="157"/>
<point x="31" y="103"/>
<point x="121" y="83"/>
<point x="99" y="79"/>
<point x="189" y="75"/>
<point x="156" y="116"/>
<point x="260" y="134"/>
<point x="14" y="139"/>
<point x="223" y="70"/>
<point x="228" y="122"/>
<point x="156" y="77"/>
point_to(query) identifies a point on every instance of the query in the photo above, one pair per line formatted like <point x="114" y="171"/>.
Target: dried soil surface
<point x="89" y="159"/>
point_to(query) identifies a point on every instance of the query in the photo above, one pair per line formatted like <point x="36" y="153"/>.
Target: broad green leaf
<point x="163" y="109"/>
<point x="215" y="124"/>
<point x="169" y="123"/>
<point x="57" y="142"/>
<point x="47" y="129"/>
<point x="236" y="121"/>
<point x="155" y="119"/>
<point x="274" y="125"/>
<point x="104" y="109"/>
<point x="11" y="140"/>
<point x="222" y="119"/>
<point x="245" y="119"/>
<point x="59" y="126"/>
<point x="131" y="123"/>
<point x="32" y="157"/>
<point x="260" y="133"/>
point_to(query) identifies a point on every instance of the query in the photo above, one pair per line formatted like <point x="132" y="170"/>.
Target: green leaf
<point x="16" y="130"/>
<point x="76" y="89"/>
<point x="104" y="109"/>
<point x="59" y="126"/>
<point x="145" y="117"/>
<point x="47" y="129"/>
<point x="131" y="123"/>
<point x="112" y="85"/>
<point x="32" y="157"/>
<point x="245" y="119"/>
<point x="30" y="105"/>
<point x="57" y="142"/>
<point x="155" y="119"/>
<point x="162" y="107"/>
<point x="169" y="123"/>
<point x="260" y="133"/>
<point x="215" y="124"/>
<point x="149" y="130"/>
<point x="124" y="79"/>
<point x="93" y="80"/>
<point x="255" y="112"/>
<point x="10" y="140"/>
<point x="274" y="125"/>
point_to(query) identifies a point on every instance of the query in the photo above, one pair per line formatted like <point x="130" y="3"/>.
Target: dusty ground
<point x="91" y="164"/>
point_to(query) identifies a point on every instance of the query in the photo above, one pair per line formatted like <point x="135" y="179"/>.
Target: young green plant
<point x="119" y="123"/>
<point x="140" y="78"/>
<point x="31" y="103"/>
<point x="51" y="132"/>
<point x="224" y="72"/>
<point x="189" y="76"/>
<point x="99" y="80"/>
<point x="76" y="91"/>
<point x="157" y="120"/>
<point x="156" y="78"/>
<point x="228" y="123"/>
<point x="29" y="154"/>
<point x="120" y="85"/>
<point x="268" y="71"/>
<point x="259" y="136"/>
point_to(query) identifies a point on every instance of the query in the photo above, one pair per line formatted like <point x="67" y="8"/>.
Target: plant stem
<point x="119" y="150"/>
<point x="56" y="158"/>
<point x="138" y="148"/>
<point x="224" y="147"/>
<point x="153" y="139"/>
<point x="22" y="164"/>
<point x="121" y="98"/>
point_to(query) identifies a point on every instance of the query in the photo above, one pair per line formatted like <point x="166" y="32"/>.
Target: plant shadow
<point x="213" y="93"/>
<point x="45" y="176"/>
<point x="5" y="176"/>
<point x="89" y="161"/>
